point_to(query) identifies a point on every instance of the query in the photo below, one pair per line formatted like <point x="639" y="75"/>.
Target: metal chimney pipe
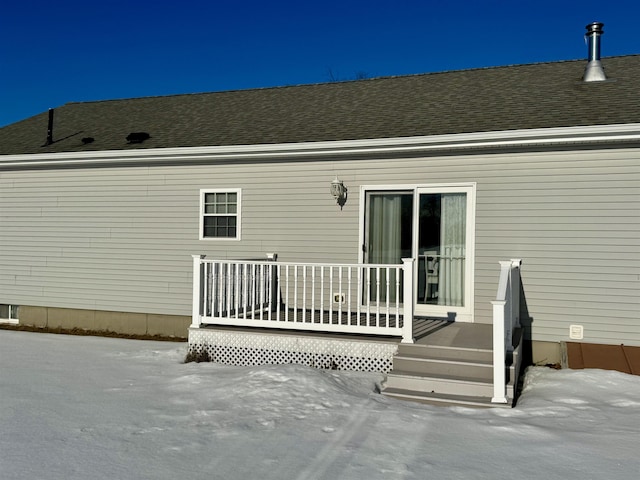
<point x="50" y="128"/>
<point x="594" y="71"/>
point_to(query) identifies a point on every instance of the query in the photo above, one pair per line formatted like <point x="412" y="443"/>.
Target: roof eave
<point x="426" y="145"/>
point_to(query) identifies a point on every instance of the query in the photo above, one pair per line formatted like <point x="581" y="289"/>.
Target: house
<point x="294" y="208"/>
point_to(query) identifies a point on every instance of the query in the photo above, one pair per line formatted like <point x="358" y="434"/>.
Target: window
<point x="220" y="214"/>
<point x="9" y="312"/>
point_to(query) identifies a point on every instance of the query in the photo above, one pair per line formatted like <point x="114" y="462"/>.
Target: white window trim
<point x="238" y="236"/>
<point x="462" y="314"/>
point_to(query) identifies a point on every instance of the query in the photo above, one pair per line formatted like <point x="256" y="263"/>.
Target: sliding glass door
<point x="432" y="225"/>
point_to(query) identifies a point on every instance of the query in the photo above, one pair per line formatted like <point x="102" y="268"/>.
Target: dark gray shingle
<point x="491" y="99"/>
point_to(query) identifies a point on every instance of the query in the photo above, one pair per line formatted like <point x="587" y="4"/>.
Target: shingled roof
<point x="489" y="99"/>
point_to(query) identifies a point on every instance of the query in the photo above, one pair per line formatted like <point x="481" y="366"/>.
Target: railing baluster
<point x="331" y="294"/>
<point x="377" y="296"/>
<point x="270" y="293"/>
<point x="243" y="291"/>
<point x="255" y="290"/>
<point x="359" y="294"/>
<point x="340" y="294"/>
<point x="229" y="286"/>
<point x="295" y="293"/>
<point x="234" y="294"/>
<point x="350" y="286"/>
<point x="313" y="293"/>
<point x="321" y="319"/>
<point x="218" y="288"/>
<point x="399" y="272"/>
<point x="286" y="300"/>
<point x="278" y="293"/>
<point x="304" y="294"/>
<point x="260" y="292"/>
<point x="387" y="278"/>
<point x="368" y="283"/>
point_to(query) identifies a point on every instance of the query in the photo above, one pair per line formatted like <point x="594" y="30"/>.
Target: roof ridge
<point x="342" y="82"/>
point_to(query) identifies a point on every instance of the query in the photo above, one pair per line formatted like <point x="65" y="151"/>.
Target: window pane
<point x="389" y="232"/>
<point x="223" y="227"/>
<point x="388" y="238"/>
<point x="209" y="227"/>
<point x="441" y="248"/>
<point x="209" y="203"/>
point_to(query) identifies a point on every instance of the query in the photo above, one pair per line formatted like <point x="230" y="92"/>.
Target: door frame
<point x="460" y="314"/>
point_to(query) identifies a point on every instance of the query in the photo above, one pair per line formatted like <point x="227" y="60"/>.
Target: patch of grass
<point x="198" y="356"/>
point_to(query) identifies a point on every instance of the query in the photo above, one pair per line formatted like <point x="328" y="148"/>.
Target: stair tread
<point x="443" y="398"/>
<point x="457" y="378"/>
<point x="418" y="346"/>
<point x="457" y="361"/>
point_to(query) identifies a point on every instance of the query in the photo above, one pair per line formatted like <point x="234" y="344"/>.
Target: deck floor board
<point x="426" y="331"/>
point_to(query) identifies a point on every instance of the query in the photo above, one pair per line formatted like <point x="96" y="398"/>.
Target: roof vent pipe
<point x="593" y="71"/>
<point x="50" y="128"/>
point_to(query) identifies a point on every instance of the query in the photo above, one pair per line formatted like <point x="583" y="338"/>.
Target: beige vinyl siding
<point x="121" y="238"/>
<point x="574" y="219"/>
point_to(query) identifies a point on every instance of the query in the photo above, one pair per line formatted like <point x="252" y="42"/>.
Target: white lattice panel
<point x="245" y="348"/>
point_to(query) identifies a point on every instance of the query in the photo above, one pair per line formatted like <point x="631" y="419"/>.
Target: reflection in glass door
<point x="388" y="235"/>
<point x="441" y="249"/>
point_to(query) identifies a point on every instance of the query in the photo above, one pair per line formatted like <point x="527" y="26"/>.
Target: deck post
<point x="506" y="293"/>
<point x="197" y="291"/>
<point x="407" y="314"/>
<point x="499" y="353"/>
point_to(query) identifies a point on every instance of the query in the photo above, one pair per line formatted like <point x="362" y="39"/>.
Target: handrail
<point x="350" y="298"/>
<point x="506" y="318"/>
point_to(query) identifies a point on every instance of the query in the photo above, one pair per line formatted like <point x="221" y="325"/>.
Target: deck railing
<point x="348" y="298"/>
<point x="506" y="318"/>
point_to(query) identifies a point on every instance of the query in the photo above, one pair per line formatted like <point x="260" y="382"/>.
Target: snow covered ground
<point x="102" y="408"/>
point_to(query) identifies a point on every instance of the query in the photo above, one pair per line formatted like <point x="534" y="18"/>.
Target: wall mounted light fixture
<point x="339" y="192"/>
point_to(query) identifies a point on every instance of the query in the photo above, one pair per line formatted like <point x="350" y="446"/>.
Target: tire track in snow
<point x="335" y="447"/>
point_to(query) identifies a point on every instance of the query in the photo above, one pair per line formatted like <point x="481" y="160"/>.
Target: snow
<point x="102" y="408"/>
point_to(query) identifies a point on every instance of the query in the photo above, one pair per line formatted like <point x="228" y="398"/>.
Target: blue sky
<point x="54" y="52"/>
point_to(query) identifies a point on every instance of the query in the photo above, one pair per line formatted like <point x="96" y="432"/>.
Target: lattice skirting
<point x="246" y="348"/>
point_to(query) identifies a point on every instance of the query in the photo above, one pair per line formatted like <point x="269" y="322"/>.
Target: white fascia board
<point x="293" y="151"/>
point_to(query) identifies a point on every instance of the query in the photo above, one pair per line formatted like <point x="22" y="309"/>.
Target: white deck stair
<point x="443" y="369"/>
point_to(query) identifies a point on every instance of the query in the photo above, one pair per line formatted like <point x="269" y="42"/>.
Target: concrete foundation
<point x="125" y="323"/>
<point x="546" y="353"/>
